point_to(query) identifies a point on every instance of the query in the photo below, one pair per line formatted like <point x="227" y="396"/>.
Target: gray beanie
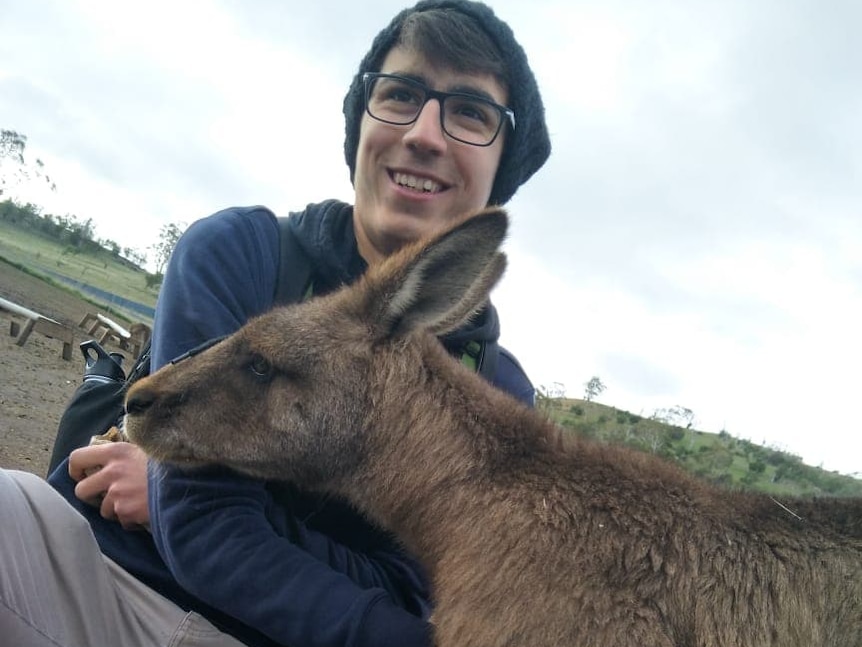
<point x="527" y="147"/>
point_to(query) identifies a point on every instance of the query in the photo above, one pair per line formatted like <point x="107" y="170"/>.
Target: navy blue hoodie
<point x="263" y="561"/>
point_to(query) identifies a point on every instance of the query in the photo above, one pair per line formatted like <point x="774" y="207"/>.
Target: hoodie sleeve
<point x="211" y="528"/>
<point x="221" y="273"/>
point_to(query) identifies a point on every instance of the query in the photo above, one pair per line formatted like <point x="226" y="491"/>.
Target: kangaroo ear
<point x="438" y="284"/>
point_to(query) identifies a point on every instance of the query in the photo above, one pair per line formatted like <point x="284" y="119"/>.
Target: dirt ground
<point x="36" y="383"/>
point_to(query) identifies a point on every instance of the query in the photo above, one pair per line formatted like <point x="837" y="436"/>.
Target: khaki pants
<point x="57" y="589"/>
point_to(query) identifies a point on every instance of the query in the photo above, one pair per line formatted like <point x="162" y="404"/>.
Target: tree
<point x="593" y="388"/>
<point x="79" y="233"/>
<point x="153" y="280"/>
<point x="137" y="257"/>
<point x="111" y="245"/>
<point x="556" y="391"/>
<point x="15" y="169"/>
<point x="677" y="415"/>
<point x="12" y="145"/>
<point x="654" y="440"/>
<point x="168" y="237"/>
<point x="546" y="396"/>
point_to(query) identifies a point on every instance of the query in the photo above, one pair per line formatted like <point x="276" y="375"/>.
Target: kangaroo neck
<point x="423" y="459"/>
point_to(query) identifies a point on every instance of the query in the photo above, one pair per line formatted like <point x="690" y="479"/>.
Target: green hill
<point x="719" y="458"/>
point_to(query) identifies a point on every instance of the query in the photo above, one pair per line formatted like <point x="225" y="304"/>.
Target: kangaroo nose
<point x="139" y="400"/>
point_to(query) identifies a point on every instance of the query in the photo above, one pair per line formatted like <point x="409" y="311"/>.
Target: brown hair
<point x="454" y="40"/>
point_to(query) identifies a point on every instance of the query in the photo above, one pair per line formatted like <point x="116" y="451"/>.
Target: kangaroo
<point x="530" y="538"/>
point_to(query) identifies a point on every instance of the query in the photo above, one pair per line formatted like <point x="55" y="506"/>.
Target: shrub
<point x="756" y="466"/>
<point x="676" y="434"/>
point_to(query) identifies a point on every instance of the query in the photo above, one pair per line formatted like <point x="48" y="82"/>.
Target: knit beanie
<point x="527" y="147"/>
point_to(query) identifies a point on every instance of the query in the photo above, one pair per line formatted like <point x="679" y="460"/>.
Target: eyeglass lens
<point x="399" y="101"/>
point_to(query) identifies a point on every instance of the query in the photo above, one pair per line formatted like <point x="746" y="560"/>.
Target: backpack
<point x="98" y="403"/>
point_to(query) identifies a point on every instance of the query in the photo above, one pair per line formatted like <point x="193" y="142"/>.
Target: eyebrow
<point x="472" y="90"/>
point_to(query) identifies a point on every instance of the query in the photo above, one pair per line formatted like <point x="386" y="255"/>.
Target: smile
<point x="425" y="185"/>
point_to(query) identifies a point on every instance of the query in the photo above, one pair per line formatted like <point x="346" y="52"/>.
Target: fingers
<point x="113" y="478"/>
<point x="124" y="509"/>
<point x="93" y="491"/>
<point x="87" y="460"/>
<point x="107" y="506"/>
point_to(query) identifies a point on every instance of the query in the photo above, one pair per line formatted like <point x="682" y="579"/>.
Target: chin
<point x="406" y="227"/>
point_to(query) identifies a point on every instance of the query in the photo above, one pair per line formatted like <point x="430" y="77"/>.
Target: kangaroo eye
<point x="260" y="366"/>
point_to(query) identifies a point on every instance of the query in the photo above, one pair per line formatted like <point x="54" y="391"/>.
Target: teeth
<point x="428" y="186"/>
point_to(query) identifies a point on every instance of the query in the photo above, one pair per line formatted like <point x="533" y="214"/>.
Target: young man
<point x="442" y="118"/>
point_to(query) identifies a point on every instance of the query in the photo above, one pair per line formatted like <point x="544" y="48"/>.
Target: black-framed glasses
<point x="467" y="118"/>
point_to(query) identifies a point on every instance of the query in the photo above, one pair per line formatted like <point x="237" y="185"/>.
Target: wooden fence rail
<point x="38" y="323"/>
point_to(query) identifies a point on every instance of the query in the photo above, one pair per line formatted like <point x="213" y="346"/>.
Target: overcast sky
<point x="694" y="240"/>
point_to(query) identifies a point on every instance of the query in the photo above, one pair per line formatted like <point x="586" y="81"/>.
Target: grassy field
<point x="50" y="259"/>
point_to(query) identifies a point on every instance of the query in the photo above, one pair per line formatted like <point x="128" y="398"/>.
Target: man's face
<point x="410" y="180"/>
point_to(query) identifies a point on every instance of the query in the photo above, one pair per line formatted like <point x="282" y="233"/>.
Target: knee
<point x="16" y="484"/>
<point x="23" y="494"/>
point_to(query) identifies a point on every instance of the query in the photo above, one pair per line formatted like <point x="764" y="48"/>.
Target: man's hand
<point x="113" y="478"/>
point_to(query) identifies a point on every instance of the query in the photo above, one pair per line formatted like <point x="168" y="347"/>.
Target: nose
<point x="426" y="133"/>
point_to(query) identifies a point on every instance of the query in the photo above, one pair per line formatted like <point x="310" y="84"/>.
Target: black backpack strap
<point x="141" y="367"/>
<point x="293" y="283"/>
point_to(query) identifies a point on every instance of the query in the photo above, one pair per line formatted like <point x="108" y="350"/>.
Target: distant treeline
<point x="74" y="234"/>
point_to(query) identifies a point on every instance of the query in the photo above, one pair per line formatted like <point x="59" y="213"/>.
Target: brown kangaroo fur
<point x="530" y="539"/>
